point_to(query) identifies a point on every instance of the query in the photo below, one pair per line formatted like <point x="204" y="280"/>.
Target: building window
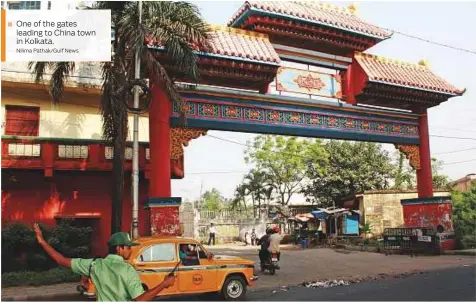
<point x="22" y="120"/>
<point x="109" y="153"/>
<point x="72" y="151"/>
<point x="24" y="4"/>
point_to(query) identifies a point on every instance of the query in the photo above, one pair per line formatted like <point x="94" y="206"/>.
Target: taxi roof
<point x="172" y="239"/>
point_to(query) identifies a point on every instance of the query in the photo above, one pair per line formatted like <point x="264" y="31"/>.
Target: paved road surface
<point x="455" y="284"/>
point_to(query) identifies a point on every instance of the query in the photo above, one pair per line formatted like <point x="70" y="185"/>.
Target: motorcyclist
<point x="274" y="240"/>
<point x="264" y="242"/>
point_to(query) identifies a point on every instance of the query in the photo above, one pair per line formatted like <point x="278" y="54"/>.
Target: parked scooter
<point x="271" y="264"/>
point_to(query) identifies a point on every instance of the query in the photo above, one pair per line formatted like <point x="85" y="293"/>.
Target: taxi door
<point x="154" y="263"/>
<point x="197" y="278"/>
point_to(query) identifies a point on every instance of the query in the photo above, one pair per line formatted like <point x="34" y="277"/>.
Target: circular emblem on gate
<point x="197" y="279"/>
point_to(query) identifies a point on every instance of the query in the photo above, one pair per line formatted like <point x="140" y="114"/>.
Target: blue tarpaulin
<point x="319" y="214"/>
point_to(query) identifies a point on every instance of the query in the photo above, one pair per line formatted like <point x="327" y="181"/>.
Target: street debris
<point x="325" y="284"/>
<point x="356" y="279"/>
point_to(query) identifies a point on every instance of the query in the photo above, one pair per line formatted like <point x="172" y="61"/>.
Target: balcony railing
<point x="24" y="152"/>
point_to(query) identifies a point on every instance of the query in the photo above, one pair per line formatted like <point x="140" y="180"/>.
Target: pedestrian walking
<point x="253" y="237"/>
<point x="212" y="231"/>
<point x="114" y="278"/>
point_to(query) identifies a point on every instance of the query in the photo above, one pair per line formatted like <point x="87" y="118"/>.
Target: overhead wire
<point x="459" y="162"/>
<point x="454" y="151"/>
<point x="453" y="137"/>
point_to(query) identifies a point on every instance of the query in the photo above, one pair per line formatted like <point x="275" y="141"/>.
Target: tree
<point x="258" y="185"/>
<point x="464" y="217"/>
<point x="440" y="181"/>
<point x="284" y="161"/>
<point x="352" y="167"/>
<point x="212" y="200"/>
<point x="404" y="174"/>
<point x="239" y="199"/>
<point x="177" y="25"/>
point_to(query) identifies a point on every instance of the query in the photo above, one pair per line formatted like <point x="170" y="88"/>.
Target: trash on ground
<point x="325" y="284"/>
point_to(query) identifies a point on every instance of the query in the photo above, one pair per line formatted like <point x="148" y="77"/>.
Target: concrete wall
<point x="383" y="210"/>
<point x="230" y="225"/>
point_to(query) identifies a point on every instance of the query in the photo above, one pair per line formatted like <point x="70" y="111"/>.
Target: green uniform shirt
<point x="115" y="279"/>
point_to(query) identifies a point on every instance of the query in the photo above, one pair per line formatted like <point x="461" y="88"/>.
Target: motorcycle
<point x="271" y="265"/>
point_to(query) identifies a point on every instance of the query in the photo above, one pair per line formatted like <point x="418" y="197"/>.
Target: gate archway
<point x="374" y="99"/>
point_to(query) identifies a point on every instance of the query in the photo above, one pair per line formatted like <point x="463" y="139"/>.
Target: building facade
<point x="464" y="184"/>
<point x="383" y="209"/>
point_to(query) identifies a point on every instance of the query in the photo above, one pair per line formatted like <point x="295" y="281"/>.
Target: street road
<point x="454" y="284"/>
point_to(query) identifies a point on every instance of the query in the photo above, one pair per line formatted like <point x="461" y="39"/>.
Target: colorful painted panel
<point x="279" y="117"/>
<point x="308" y="82"/>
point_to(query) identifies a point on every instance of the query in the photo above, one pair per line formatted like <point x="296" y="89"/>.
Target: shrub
<point x="52" y="276"/>
<point x="464" y="217"/>
<point x="21" y="252"/>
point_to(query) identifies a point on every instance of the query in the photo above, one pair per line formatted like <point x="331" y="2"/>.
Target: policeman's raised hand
<point x="169" y="281"/>
<point x="38" y="233"/>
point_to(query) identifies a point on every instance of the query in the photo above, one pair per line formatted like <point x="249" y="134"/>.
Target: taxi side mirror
<point x="210" y="256"/>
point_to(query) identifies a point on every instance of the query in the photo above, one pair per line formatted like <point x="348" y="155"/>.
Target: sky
<point x="214" y="163"/>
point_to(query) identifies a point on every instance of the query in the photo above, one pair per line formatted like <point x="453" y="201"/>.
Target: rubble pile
<point x="325" y="284"/>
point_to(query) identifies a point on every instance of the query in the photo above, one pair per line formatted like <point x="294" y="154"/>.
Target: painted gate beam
<point x="334" y="122"/>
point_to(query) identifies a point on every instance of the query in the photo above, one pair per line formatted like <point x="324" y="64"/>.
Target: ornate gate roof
<point x="390" y="71"/>
<point x="319" y="13"/>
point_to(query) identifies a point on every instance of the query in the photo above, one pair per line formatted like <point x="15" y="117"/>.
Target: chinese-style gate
<point x="248" y="54"/>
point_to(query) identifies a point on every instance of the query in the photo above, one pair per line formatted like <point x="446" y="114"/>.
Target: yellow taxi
<point x="199" y="271"/>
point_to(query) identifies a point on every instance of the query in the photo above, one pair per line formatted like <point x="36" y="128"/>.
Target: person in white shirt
<point x="274" y="241"/>
<point x="212" y="231"/>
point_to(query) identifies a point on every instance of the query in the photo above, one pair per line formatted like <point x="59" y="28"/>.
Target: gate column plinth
<point x="163" y="216"/>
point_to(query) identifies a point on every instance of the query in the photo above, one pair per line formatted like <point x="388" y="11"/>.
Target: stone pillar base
<point x="163" y="216"/>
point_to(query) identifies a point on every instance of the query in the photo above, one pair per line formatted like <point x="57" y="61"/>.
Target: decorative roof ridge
<point x="414" y="75"/>
<point x="332" y="15"/>
<point x="238" y="31"/>
<point x="329" y="6"/>
<point x="391" y="60"/>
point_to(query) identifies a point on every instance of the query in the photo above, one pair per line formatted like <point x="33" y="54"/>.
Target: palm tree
<point x="256" y="184"/>
<point x="240" y="197"/>
<point x="177" y="26"/>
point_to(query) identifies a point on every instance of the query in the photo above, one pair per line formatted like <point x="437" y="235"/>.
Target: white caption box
<point x="58" y="35"/>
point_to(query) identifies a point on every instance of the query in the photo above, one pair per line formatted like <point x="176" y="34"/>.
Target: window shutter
<point x="22" y="120"/>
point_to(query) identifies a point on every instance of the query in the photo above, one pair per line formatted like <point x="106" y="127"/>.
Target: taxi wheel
<point x="234" y="288"/>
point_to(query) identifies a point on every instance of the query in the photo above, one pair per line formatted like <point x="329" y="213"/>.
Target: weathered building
<point x="382" y="209"/>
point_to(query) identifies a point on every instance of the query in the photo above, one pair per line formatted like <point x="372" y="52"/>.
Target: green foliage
<point x="20" y="251"/>
<point x="464" y="217"/>
<point x="353" y="167"/>
<point x="366" y="228"/>
<point x="404" y="174"/>
<point x="239" y="200"/>
<point x="211" y="200"/>
<point x="440" y="181"/>
<point x="25" y="278"/>
<point x="284" y="161"/>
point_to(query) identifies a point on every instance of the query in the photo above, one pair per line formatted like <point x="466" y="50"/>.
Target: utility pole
<point x="135" y="144"/>
<point x="335" y="217"/>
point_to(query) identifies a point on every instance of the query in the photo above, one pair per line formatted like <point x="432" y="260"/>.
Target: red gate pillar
<point x="159" y="138"/>
<point x="163" y="210"/>
<point x="424" y="176"/>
